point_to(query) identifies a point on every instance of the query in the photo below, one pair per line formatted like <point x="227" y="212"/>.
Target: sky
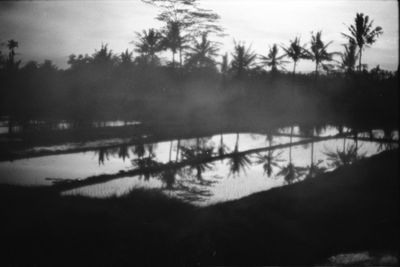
<point x="55" y="29"/>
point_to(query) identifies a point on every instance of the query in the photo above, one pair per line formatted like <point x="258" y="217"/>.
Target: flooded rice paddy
<point x="203" y="170"/>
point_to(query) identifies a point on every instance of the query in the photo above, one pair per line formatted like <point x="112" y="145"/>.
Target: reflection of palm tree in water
<point x="146" y="164"/>
<point x="389" y="135"/>
<point x="238" y="162"/>
<point x="198" y="156"/>
<point x="178" y="146"/>
<point x="123" y="152"/>
<point x="270" y="159"/>
<point x="290" y="172"/>
<point x="222" y="149"/>
<point x="346" y="157"/>
<point x="103" y="154"/>
<point x="310" y="131"/>
<point x="314" y="169"/>
<point x="139" y="150"/>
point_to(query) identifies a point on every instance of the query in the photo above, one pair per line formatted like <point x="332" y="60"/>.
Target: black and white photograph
<point x="199" y="133"/>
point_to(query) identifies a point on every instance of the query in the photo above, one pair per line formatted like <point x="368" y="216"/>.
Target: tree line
<point x="107" y="85"/>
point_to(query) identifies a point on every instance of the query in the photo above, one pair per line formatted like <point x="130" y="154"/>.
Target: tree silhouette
<point x="272" y="60"/>
<point x="318" y="51"/>
<point x="363" y="34"/>
<point x="149" y="43"/>
<point x="202" y="53"/>
<point x="295" y="52"/>
<point x="126" y="58"/>
<point x="349" y="57"/>
<point x="174" y="40"/>
<point x="243" y="59"/>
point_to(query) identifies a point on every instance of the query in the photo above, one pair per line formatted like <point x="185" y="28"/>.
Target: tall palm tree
<point x="363" y="34"/>
<point x="349" y="57"/>
<point x="243" y="59"/>
<point x="126" y="58"/>
<point x="149" y="43"/>
<point x="11" y="63"/>
<point x="175" y="40"/>
<point x="11" y="45"/>
<point x="272" y="60"/>
<point x="295" y="52"/>
<point x="202" y="53"/>
<point x="224" y="64"/>
<point x="318" y="51"/>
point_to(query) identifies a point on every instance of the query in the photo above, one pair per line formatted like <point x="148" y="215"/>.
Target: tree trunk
<point x="294" y="67"/>
<point x="359" y="60"/>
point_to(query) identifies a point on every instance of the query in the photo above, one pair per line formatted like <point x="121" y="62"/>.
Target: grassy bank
<point x="353" y="208"/>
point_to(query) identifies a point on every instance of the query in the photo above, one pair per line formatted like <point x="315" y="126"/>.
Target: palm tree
<point x="174" y="40"/>
<point x="224" y="64"/>
<point x="149" y="43"/>
<point x="349" y="57"/>
<point x="126" y="58"/>
<point x="202" y="53"/>
<point x="12" y="44"/>
<point x="318" y="52"/>
<point x="243" y="59"/>
<point x="295" y="51"/>
<point x="272" y="60"/>
<point x="363" y="34"/>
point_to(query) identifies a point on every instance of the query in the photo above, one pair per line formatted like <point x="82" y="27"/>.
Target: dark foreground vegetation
<point x="353" y="208"/>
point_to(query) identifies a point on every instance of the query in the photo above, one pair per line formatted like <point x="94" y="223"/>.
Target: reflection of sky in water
<point x="33" y="171"/>
<point x="251" y="180"/>
<point x="228" y="186"/>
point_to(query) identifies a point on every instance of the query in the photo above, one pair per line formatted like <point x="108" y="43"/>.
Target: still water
<point x="219" y="168"/>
